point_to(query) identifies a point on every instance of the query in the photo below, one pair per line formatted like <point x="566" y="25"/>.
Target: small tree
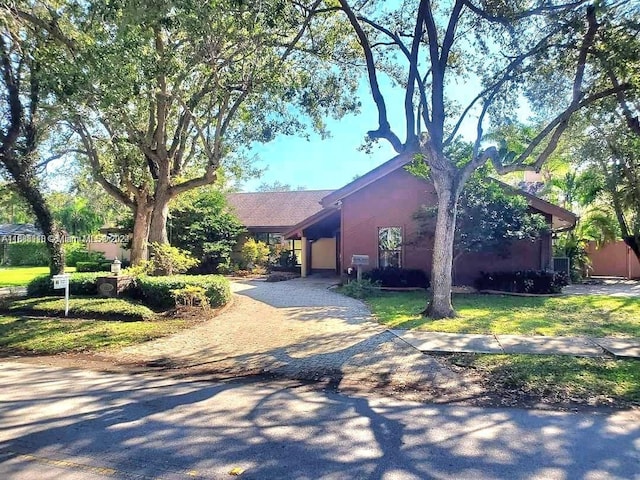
<point x="490" y="217"/>
<point x="202" y="224"/>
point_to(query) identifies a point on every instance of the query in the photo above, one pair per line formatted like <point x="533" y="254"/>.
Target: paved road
<point x="73" y="424"/>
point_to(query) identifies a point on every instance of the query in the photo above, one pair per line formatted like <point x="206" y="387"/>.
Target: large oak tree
<point x="541" y="51"/>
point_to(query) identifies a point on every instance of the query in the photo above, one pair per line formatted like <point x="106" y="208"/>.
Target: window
<point x="389" y="247"/>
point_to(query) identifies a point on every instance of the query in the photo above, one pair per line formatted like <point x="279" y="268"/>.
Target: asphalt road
<point x="72" y="424"/>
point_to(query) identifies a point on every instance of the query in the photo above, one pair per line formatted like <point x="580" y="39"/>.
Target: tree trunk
<point x="28" y="189"/>
<point x="158" y="229"/>
<point x="440" y="305"/>
<point x="634" y="243"/>
<point x="141" y="224"/>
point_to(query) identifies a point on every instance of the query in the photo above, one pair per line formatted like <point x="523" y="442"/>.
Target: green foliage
<point x="396" y="277"/>
<point x="78" y="217"/>
<point x="526" y="281"/>
<point x="79" y="284"/>
<point x="360" y="289"/>
<point x="93" y="267"/>
<point x="169" y="260"/>
<point x="490" y="217"/>
<point x="202" y="224"/>
<point x="108" y="308"/>
<point x="156" y="291"/>
<point x="27" y="254"/>
<point x="75" y="252"/>
<point x="254" y="253"/>
<point x="190" y="296"/>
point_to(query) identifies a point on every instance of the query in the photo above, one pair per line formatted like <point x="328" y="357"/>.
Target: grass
<point x="51" y="336"/>
<point x="558" y="379"/>
<point x="108" y="308"/>
<point x="588" y="315"/>
<point x="20" y="276"/>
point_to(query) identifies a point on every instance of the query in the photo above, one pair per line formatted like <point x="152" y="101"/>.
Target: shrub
<point x="33" y="254"/>
<point x="168" y="260"/>
<point x="156" y="291"/>
<point x="110" y="308"/>
<point x="360" y="289"/>
<point x="254" y="253"/>
<point x="525" y="281"/>
<point x="190" y="296"/>
<point x="79" y="284"/>
<point x="398" y="277"/>
<point x="75" y="252"/>
<point x="93" y="267"/>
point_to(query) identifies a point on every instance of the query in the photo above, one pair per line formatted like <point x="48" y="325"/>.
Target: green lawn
<point x="556" y="379"/>
<point x="589" y="315"/>
<point x="20" y="276"/>
<point x="50" y="336"/>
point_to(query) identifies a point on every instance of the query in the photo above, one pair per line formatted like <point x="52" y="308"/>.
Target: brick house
<point x="373" y="215"/>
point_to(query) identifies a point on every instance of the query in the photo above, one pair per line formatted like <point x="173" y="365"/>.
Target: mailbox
<point x="360" y="259"/>
<point x="60" y="281"/>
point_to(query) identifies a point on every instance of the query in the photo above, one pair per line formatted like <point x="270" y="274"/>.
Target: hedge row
<point x="525" y="281"/>
<point x="395" y="277"/>
<point x="152" y="291"/>
<point x="94" y="308"/>
<point x="35" y="254"/>
<point x="156" y="291"/>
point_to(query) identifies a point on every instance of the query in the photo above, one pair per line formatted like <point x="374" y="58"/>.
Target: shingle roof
<point x="276" y="209"/>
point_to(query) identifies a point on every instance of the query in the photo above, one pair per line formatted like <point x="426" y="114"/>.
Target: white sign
<point x="62" y="281"/>
<point x="360" y="259"/>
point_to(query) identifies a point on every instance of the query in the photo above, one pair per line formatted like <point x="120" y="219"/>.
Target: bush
<point x="360" y="289"/>
<point x="33" y="254"/>
<point x="79" y="284"/>
<point x="395" y="277"/>
<point x="157" y="291"/>
<point x="77" y="252"/>
<point x="168" y="260"/>
<point x="110" y="308"/>
<point x="525" y="281"/>
<point x="93" y="267"/>
<point x="190" y="296"/>
<point x="254" y="253"/>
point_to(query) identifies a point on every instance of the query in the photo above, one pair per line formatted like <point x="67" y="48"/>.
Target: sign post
<point x="359" y="261"/>
<point x="62" y="281"/>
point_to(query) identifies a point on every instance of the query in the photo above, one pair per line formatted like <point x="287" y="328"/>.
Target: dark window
<point x="389" y="247"/>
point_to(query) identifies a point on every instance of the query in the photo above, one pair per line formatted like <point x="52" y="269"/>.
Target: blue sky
<point x="333" y="162"/>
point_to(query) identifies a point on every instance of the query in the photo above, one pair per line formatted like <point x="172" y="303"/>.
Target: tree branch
<point x="384" y="129"/>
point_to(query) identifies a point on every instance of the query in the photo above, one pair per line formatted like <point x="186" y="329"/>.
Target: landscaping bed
<point x="587" y="315"/>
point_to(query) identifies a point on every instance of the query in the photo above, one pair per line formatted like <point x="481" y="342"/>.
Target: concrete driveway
<point x="299" y="329"/>
<point x="71" y="424"/>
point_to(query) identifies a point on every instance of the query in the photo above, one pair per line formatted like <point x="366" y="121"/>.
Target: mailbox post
<point x="359" y="261"/>
<point x="62" y="281"/>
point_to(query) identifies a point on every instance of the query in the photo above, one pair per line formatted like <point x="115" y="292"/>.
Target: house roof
<point x="562" y="218"/>
<point x="14" y="229"/>
<point x="276" y="210"/>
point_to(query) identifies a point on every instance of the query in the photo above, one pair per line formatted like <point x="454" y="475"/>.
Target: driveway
<point x="67" y="424"/>
<point x="611" y="287"/>
<point x="298" y="329"/>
